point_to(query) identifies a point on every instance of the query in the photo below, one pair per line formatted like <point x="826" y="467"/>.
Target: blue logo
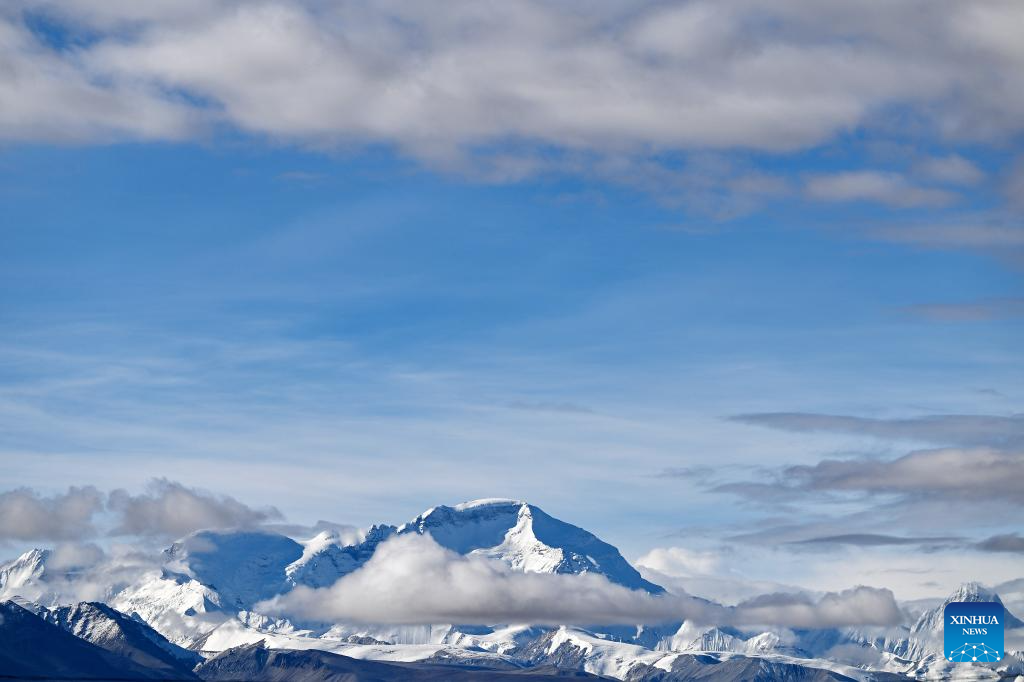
<point x="973" y="631"/>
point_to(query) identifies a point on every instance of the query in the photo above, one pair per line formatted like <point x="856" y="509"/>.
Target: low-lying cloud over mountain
<point x="488" y="583"/>
<point x="27" y="515"/>
<point x="166" y="509"/>
<point x="413" y="580"/>
<point x="170" y="509"/>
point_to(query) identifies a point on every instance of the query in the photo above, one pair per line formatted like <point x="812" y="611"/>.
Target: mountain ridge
<point x="202" y="594"/>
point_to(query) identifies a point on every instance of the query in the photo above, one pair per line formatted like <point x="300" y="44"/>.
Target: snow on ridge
<point x="484" y="503"/>
<point x="488" y="502"/>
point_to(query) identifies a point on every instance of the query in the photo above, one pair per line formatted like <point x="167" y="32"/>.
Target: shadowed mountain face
<point x="243" y="567"/>
<point x="259" y="664"/>
<point x="32" y="648"/>
<point x="117" y="633"/>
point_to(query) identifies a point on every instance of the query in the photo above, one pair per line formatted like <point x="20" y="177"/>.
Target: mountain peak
<point x="526" y="538"/>
<point x="32" y="648"/>
<point x="489" y="502"/>
<point x="243" y="566"/>
<point x="132" y="638"/>
<point x="931" y="622"/>
<point x="973" y="592"/>
<point x="25" y="570"/>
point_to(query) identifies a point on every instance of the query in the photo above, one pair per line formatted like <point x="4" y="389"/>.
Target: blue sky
<point x="357" y="318"/>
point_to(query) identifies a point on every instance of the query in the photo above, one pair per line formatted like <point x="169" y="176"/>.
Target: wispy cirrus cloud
<point x="980" y="234"/>
<point x="874" y="540"/>
<point x="1007" y="542"/>
<point x="946" y="429"/>
<point x="875" y="508"/>
<point x="971" y="311"/>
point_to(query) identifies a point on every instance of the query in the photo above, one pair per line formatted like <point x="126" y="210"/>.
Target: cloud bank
<point x="433" y="78"/>
<point x="170" y="509"/>
<point x="973" y="474"/>
<point x="26" y="515"/>
<point x="413" y="580"/>
<point x="166" y="510"/>
<point x="1007" y="542"/>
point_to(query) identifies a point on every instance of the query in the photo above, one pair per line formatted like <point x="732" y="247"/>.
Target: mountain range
<point x="194" y="614"/>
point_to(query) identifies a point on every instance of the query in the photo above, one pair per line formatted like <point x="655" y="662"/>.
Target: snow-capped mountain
<point x="228" y="572"/>
<point x="204" y="593"/>
<point x="25" y="571"/>
<point x="242" y="567"/>
<point x="929" y="626"/>
<point x="520" y="534"/>
<point x="31" y="648"/>
<point x="923" y="646"/>
<point x="525" y="538"/>
<point x="180" y="608"/>
<point x="257" y="662"/>
<point x="326" y="557"/>
<point x="209" y="577"/>
<point x="131" y="638"/>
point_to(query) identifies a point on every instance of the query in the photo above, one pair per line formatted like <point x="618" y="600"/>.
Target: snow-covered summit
<point x="487" y="502"/>
<point x="525" y="538"/>
<point x="930" y="624"/>
<point x="23" y="571"/>
<point x="328" y="556"/>
<point x="244" y="567"/>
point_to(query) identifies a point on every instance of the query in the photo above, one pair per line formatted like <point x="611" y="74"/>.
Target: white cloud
<point x="860" y="605"/>
<point x="85" y="572"/>
<point x="708" y="574"/>
<point x="1014" y="184"/>
<point x="170" y="509"/>
<point x="432" y="78"/>
<point x="413" y="580"/>
<point x="52" y="97"/>
<point x="69" y="555"/>
<point x="953" y="169"/>
<point x="680" y="561"/>
<point x="166" y="509"/>
<point x="985" y="474"/>
<point x="26" y="515"/>
<point x="887" y="188"/>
